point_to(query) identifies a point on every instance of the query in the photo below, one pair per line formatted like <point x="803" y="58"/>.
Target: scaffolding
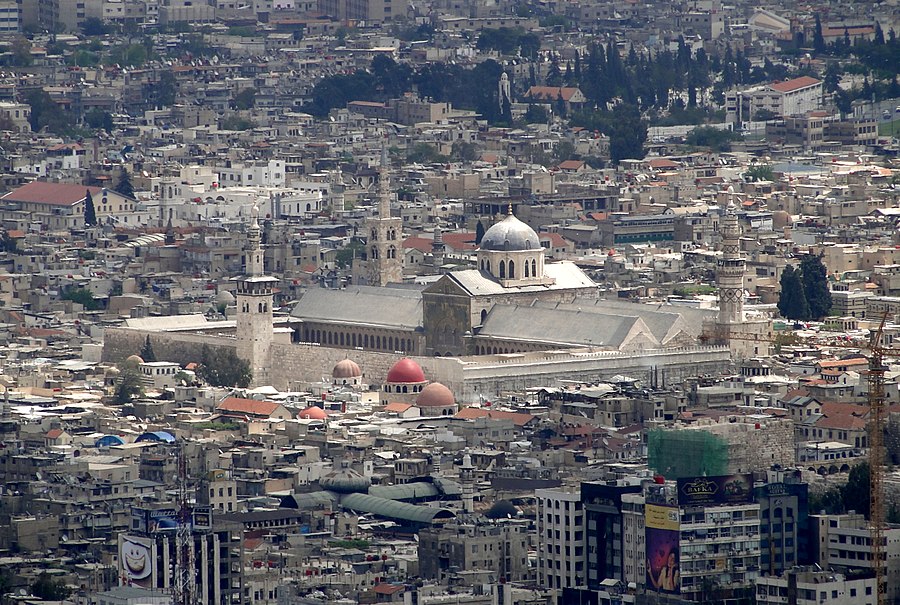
<point x="687" y="453"/>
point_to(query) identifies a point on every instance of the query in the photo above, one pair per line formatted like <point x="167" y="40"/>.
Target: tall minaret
<point x="254" y="305"/>
<point x="437" y="250"/>
<point x="730" y="268"/>
<point x="385" y="263"/>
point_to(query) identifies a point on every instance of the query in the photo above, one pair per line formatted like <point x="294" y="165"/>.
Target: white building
<point x="815" y="588"/>
<point x="560" y="525"/>
<point x="788" y="98"/>
<point x="269" y="174"/>
<point x="159" y="374"/>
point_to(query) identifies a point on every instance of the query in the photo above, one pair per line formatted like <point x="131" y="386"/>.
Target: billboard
<point x="136" y="559"/>
<point x="661" y="528"/>
<point x="724" y="489"/>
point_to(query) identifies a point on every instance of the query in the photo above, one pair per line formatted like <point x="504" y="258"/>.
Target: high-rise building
<point x="148" y="555"/>
<point x="605" y="539"/>
<point x="561" y="542"/>
<point x="784" y="532"/>
<point x="254" y="305"/>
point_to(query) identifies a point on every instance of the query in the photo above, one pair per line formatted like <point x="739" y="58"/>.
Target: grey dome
<point x="510" y="234"/>
<point x="345" y="480"/>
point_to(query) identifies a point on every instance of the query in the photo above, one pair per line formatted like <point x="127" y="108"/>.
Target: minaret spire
<point x="254" y="248"/>
<point x="730" y="268"/>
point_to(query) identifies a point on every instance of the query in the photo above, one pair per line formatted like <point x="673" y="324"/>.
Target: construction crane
<point x="875" y="354"/>
<point x="183" y="585"/>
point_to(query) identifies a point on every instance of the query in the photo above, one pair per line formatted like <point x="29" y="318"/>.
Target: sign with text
<point x="707" y="491"/>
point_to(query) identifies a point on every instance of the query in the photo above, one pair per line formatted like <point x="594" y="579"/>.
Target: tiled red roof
<point x="551" y="93"/>
<point x="518" y="419"/>
<point x="795" y="84"/>
<point x="388" y="589"/>
<point x="54" y="433"/>
<point x="247" y="406"/>
<point x="58" y="194"/>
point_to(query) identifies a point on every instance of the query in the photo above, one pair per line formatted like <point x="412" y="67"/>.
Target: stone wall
<point x="468" y="377"/>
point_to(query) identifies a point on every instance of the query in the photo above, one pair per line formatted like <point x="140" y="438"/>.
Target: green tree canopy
<point x="123" y="185"/>
<point x="83" y="297"/>
<point x="222" y="367"/>
<point x="90" y="212"/>
<point x="47" y="589"/>
<point x="792" y="300"/>
<point x="815" y="286"/>
<point x="147" y="353"/>
<point x="129" y="386"/>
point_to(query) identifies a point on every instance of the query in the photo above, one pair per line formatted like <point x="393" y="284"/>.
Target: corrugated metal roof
<point x="392" y="509"/>
<point x="404" y="491"/>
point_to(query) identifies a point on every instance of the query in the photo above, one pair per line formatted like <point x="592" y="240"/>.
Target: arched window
<point x="373" y="235"/>
<point x="392" y="252"/>
<point x="341" y="339"/>
<point x="512" y="269"/>
<point x="502" y="270"/>
<point x="353" y="340"/>
<point x="488" y="265"/>
<point x="483" y="315"/>
<point x="308" y="207"/>
<point x="534" y="268"/>
<point x="526" y="269"/>
<point x="260" y="307"/>
<point x="366" y="341"/>
<point x="404" y="388"/>
<point x="391" y="343"/>
<point x="374" y="252"/>
<point x="378" y="342"/>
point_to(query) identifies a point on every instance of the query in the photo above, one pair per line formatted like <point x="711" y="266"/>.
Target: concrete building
<point x="605" y="539"/>
<point x="561" y="539"/>
<point x="814" y="587"/>
<point x="788" y="98"/>
<point x="784" y="523"/>
<point x="500" y="547"/>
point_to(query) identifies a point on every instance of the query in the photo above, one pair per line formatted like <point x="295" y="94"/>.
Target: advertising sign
<point x="136" y="561"/>
<point x="724" y="489"/>
<point x="663" y="558"/>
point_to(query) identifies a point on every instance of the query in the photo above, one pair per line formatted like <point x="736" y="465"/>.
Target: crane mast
<point x="183" y="586"/>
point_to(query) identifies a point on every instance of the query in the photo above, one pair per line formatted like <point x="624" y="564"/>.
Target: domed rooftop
<point x="346" y="368"/>
<point x="405" y="371"/>
<point x="133" y="361"/>
<point x="345" y="480"/>
<point x="313" y="413"/>
<point x="502" y="509"/>
<point x="510" y="235"/>
<point x="435" y="395"/>
<point x="224" y="297"/>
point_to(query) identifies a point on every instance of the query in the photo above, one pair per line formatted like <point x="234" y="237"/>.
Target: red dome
<point x="405" y="371"/>
<point x="313" y="413"/>
<point x="346" y="368"/>
<point x="435" y="395"/>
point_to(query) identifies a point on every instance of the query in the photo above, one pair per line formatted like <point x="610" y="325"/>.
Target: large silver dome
<point x="510" y="234"/>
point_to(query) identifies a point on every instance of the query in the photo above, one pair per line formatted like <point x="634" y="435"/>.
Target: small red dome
<point x="346" y="368"/>
<point x="405" y="371"/>
<point x="435" y="395"/>
<point x="313" y="413"/>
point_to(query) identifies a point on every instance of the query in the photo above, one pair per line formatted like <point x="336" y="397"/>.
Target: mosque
<point x="514" y="317"/>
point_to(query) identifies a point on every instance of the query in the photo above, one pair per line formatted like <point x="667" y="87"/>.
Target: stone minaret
<point x="385" y="263"/>
<point x="730" y="269"/>
<point x="254" y="305"/>
<point x="437" y="250"/>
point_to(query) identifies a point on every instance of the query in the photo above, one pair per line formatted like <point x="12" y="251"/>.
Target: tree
<point x="792" y="300"/>
<point x="46" y="588"/>
<point x="147" y="353"/>
<point x="818" y="38"/>
<point x="245" y="99"/>
<point x="479" y="233"/>
<point x="627" y="133"/>
<point x="83" y="297"/>
<point x="45" y="112"/>
<point x="464" y="151"/>
<point x="343" y="258"/>
<point x="815" y="286"/>
<point x="129" y="386"/>
<point x="94" y="26"/>
<point x="855" y="494"/>
<point x="90" y="212"/>
<point x="759" y="172"/>
<point x="21" y="51"/>
<point x="124" y="185"/>
<point x="222" y="367"/>
<point x="166" y="89"/>
<point x="536" y="114"/>
<point x="99" y="119"/>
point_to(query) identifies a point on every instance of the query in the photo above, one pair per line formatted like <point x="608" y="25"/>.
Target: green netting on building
<point x="686" y="453"/>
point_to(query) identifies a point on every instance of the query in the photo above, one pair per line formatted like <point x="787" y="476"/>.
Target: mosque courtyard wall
<point x="468" y="377"/>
